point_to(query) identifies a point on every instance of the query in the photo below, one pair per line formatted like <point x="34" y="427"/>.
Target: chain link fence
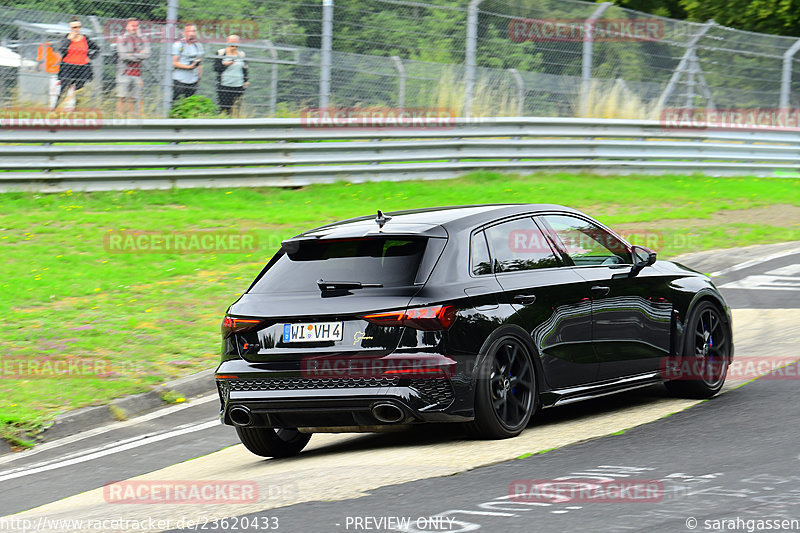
<point x="479" y="58"/>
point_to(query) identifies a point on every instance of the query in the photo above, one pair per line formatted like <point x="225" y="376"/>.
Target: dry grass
<point x="489" y="99"/>
<point x="616" y="101"/>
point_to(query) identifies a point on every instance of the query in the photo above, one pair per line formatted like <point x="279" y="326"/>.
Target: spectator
<point x="76" y="51"/>
<point x="187" y="60"/>
<point x="48" y="61"/>
<point x="231" y="71"/>
<point x="131" y="50"/>
<point x="47" y="58"/>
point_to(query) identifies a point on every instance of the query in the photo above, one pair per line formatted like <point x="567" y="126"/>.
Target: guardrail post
<point x="401" y="82"/>
<point x="687" y="57"/>
<point x="786" y="75"/>
<point x="273" y="78"/>
<point x="166" y="79"/>
<point x="588" y="48"/>
<point x="325" y="54"/>
<point x="471" y="52"/>
<point x="520" y="90"/>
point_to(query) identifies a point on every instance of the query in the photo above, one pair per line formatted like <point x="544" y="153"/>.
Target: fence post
<point x="471" y="51"/>
<point x="588" y="49"/>
<point x="166" y="80"/>
<point x="520" y="90"/>
<point x="687" y="57"/>
<point x="786" y="76"/>
<point x="273" y="78"/>
<point x="325" y="54"/>
<point x="401" y="82"/>
<point x="97" y="66"/>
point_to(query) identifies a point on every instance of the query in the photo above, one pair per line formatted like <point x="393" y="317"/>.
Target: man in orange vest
<point x="48" y="61"/>
<point x="48" y="58"/>
<point x="76" y="51"/>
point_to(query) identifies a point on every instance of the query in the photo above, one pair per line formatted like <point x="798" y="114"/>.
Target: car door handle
<point x="525" y="299"/>
<point x="600" y="290"/>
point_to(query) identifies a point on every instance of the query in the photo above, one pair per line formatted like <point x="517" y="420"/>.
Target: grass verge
<point x="150" y="317"/>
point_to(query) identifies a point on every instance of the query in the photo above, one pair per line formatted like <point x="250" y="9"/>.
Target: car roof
<point x="428" y="221"/>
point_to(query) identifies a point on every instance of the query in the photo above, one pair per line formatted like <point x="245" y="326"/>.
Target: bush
<point x="195" y="106"/>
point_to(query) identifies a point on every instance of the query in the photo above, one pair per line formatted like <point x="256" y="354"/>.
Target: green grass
<point x="155" y="316"/>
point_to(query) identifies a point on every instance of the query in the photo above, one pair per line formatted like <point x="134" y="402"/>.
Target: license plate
<point x="313" y="332"/>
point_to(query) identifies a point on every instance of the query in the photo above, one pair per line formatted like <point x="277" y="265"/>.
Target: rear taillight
<point x="233" y="325"/>
<point x="425" y="318"/>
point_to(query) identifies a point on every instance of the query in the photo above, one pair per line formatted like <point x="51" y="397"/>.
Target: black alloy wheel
<point x="706" y="354"/>
<point x="506" y="395"/>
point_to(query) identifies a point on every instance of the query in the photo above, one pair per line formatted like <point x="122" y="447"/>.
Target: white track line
<point x="105" y="429"/>
<point x="754" y="262"/>
<point x="101" y="452"/>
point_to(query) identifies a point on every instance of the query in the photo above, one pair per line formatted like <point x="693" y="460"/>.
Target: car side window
<point x="519" y="245"/>
<point x="587" y="243"/>
<point x="480" y="261"/>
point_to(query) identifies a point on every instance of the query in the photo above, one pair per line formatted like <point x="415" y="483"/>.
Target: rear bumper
<point x="288" y="399"/>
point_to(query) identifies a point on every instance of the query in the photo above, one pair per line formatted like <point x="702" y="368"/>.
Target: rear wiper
<point x="344" y="285"/>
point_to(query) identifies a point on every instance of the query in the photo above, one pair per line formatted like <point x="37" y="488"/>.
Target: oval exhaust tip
<point x="388" y="413"/>
<point x="241" y="416"/>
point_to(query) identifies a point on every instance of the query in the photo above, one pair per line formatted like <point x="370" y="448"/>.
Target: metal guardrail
<point x="153" y="154"/>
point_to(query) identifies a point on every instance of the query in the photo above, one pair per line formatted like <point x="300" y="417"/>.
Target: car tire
<point x="706" y="354"/>
<point x="273" y="442"/>
<point x="506" y="394"/>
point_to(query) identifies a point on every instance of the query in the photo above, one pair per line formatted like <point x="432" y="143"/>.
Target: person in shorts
<point x="76" y="52"/>
<point x="187" y="63"/>
<point x="131" y="50"/>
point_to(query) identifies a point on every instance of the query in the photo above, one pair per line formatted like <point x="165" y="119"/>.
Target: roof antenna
<point x="382" y="219"/>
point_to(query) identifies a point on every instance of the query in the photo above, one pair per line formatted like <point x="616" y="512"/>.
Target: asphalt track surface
<point x="732" y="458"/>
<point x="722" y="445"/>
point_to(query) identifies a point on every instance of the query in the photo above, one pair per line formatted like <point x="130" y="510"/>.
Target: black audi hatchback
<point x="474" y="314"/>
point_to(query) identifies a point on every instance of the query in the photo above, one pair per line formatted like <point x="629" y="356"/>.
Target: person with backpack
<point x="187" y="63"/>
<point x="131" y="51"/>
<point x="76" y="52"/>
<point x="231" y="70"/>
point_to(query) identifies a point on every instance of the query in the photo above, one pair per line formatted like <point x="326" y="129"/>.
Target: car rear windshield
<point x="392" y="262"/>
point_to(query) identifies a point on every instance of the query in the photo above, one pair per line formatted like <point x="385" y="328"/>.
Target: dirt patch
<point x="774" y="215"/>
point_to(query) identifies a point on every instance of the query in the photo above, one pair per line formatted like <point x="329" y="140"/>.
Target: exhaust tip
<point x="241" y="416"/>
<point x="388" y="413"/>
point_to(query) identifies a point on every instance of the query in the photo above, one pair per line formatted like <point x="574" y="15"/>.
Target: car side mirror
<point x="642" y="257"/>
